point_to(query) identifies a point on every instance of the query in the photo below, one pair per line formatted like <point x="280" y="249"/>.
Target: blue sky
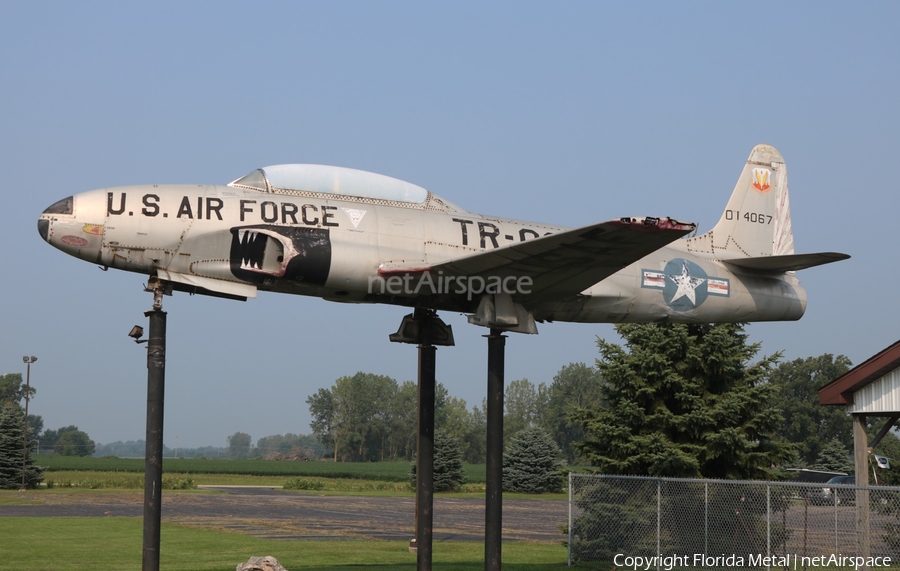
<point x="566" y="113"/>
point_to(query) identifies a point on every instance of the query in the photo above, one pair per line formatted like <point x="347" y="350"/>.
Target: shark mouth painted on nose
<point x="263" y="252"/>
<point x="260" y="251"/>
<point x="252" y="248"/>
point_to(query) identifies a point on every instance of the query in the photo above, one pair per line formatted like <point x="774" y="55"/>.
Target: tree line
<point x="669" y="400"/>
<point x="66" y="440"/>
<point x="369" y="417"/>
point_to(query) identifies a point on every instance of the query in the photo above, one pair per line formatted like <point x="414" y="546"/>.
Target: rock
<point x="267" y="563"/>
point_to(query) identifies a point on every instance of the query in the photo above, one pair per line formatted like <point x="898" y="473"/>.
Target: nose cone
<point x="74" y="225"/>
<point x="64" y="206"/>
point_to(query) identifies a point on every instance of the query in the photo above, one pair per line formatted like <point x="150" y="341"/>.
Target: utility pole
<point x="28" y="361"/>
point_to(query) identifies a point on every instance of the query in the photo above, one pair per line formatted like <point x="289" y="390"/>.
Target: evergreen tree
<point x="12" y="443"/>
<point x="533" y="464"/>
<point x="448" y="466"/>
<point x="834" y="457"/>
<point x="684" y="400"/>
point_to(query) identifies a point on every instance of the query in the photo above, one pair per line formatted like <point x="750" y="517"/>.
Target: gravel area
<point x="279" y="514"/>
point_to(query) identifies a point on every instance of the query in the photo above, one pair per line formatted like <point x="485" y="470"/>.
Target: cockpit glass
<point x="333" y="180"/>
<point x="256" y="179"/>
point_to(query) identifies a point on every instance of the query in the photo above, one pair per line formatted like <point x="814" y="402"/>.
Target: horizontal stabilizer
<point x="787" y="263"/>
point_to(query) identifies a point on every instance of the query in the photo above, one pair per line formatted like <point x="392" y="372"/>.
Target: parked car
<point x="826" y="494"/>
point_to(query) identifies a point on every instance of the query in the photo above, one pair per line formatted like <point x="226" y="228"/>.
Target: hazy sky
<point x="566" y="113"/>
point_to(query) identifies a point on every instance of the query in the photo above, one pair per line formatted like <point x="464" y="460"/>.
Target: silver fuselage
<point x="338" y="247"/>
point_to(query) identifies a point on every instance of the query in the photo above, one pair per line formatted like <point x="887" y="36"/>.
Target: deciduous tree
<point x="575" y="386"/>
<point x="523" y="403"/>
<point x="12" y="388"/>
<point x="239" y="446"/>
<point x="321" y="408"/>
<point x="67" y="441"/>
<point x="806" y="423"/>
<point x="75" y="443"/>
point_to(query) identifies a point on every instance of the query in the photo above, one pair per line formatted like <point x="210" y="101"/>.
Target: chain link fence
<point x="707" y="521"/>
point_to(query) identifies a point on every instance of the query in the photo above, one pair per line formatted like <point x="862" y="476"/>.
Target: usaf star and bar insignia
<point x="684" y="284"/>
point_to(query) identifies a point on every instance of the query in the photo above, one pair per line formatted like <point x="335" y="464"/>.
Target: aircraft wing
<point x="569" y="262"/>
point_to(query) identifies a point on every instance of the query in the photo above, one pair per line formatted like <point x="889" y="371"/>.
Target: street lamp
<point x="28" y="361"/>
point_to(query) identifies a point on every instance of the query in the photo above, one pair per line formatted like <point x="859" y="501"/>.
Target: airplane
<point x="353" y="236"/>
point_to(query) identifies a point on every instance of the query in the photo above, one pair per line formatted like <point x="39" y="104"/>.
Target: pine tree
<point x="448" y="466"/>
<point x="834" y="457"/>
<point x="12" y="434"/>
<point x="684" y="400"/>
<point x="533" y="464"/>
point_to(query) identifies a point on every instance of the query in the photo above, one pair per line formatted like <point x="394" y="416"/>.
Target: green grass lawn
<point x="97" y="544"/>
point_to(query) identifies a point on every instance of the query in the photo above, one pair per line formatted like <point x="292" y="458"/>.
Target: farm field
<point x="374" y="478"/>
<point x="380" y="471"/>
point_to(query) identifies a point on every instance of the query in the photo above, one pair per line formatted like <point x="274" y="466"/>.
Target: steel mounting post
<point x="493" y="502"/>
<point x="156" y="381"/>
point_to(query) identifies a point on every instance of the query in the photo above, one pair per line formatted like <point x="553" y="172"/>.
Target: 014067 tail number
<point x="754" y="217"/>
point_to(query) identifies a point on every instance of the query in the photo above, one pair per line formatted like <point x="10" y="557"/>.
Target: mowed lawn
<point x="96" y="544"/>
<point x="115" y="543"/>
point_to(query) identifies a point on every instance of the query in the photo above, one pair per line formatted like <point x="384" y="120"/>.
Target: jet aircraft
<point x="353" y="236"/>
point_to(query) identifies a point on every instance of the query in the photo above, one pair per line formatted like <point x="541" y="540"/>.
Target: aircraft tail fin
<point x="757" y="219"/>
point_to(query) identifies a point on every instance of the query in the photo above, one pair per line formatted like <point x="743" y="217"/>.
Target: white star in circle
<point x="686" y="284"/>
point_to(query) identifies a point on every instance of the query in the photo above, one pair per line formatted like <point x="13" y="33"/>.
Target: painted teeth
<point x="252" y="248"/>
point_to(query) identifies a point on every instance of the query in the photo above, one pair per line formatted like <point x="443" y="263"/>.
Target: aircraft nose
<point x="64" y="206"/>
<point x="74" y="225"/>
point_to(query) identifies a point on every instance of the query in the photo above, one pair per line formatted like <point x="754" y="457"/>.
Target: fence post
<point x="768" y="523"/>
<point x="658" y="518"/>
<point x="705" y="519"/>
<point x="836" y="520"/>
<point x="569" y="544"/>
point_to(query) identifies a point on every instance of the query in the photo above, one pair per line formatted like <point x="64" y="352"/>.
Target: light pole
<point x="28" y="361"/>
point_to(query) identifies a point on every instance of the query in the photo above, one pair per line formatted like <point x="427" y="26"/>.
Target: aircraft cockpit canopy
<point x="331" y="180"/>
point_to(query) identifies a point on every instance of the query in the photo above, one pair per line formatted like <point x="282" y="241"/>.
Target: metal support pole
<point x="493" y="512"/>
<point x="156" y="377"/>
<point x="423" y="328"/>
<point x="425" y="457"/>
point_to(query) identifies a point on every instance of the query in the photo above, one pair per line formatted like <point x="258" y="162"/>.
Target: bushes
<point x="304" y="484"/>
